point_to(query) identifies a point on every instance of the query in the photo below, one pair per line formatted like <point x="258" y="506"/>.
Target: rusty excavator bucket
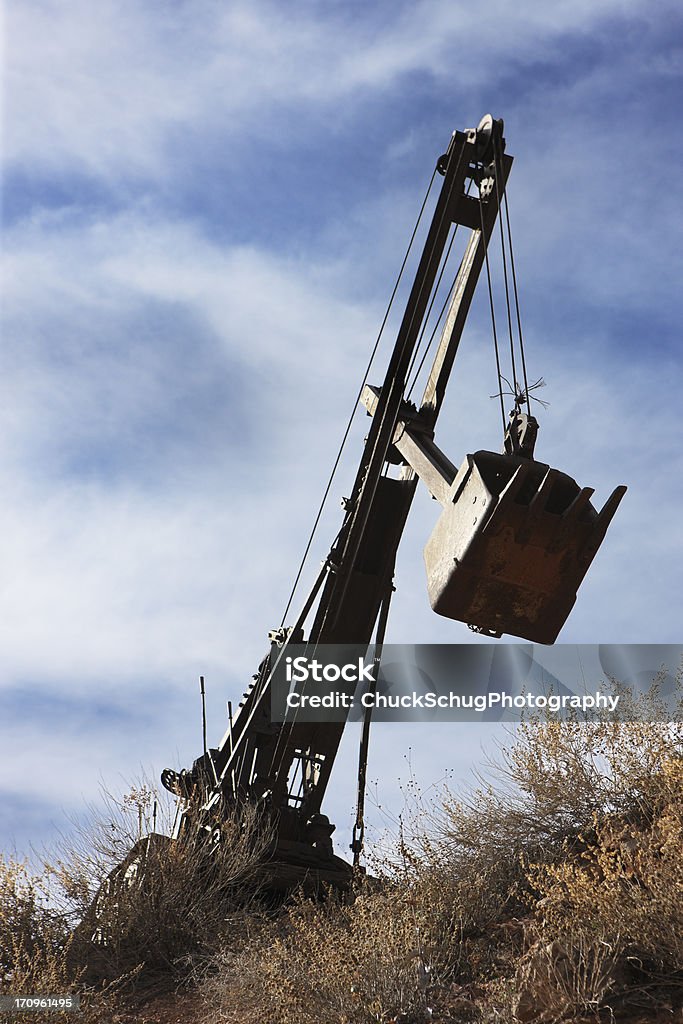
<point x="513" y="543"/>
<point x="515" y="537"/>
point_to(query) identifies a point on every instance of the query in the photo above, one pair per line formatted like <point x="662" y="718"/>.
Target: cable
<point x="359" y="824"/>
<point x="355" y="405"/>
<point x="499" y="164"/>
<point x="281" y="742"/>
<point x="432" y="336"/>
<point x="519" y="319"/>
<point x="443" y="309"/>
<point x="427" y="316"/>
<point x="369" y="472"/>
<point x="493" y="314"/>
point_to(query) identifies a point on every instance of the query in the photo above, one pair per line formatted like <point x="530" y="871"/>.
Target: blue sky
<point x="204" y="209"/>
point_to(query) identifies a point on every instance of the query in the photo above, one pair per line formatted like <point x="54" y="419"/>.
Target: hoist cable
<point x="427" y="316"/>
<point x="443" y="309"/>
<point x="364" y="469"/>
<point x="516" y="295"/>
<point x="359" y="824"/>
<point x="432" y="336"/>
<point x="493" y="314"/>
<point x="282" y="743"/>
<point x="498" y="163"/>
<point x="355" y="405"/>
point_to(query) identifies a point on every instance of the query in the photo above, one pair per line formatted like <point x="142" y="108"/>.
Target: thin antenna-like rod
<point x="230" y="724"/>
<point x="201" y="690"/>
<point x="207" y="760"/>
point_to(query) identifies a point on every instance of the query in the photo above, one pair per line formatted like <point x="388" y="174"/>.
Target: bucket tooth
<point x="575" y="526"/>
<point x="538" y="503"/>
<point x="580" y="502"/>
<point x="610" y="507"/>
<point x="512" y="489"/>
<point x="604" y="518"/>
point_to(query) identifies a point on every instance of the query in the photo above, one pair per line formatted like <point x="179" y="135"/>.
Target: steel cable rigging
<point x="422" y="352"/>
<point x="355" y="408"/>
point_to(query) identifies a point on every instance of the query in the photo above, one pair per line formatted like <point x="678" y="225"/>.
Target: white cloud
<point x="104" y="576"/>
<point x="106" y="579"/>
<point x="128" y="584"/>
<point x="108" y="576"/>
<point x="104" y="88"/>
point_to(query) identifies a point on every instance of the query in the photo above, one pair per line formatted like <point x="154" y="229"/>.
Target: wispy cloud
<point x="203" y="212"/>
<point x="112" y="86"/>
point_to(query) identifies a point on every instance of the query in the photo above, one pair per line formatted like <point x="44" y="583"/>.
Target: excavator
<point x="511" y="545"/>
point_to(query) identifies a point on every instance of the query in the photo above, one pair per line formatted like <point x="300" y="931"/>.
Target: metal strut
<point x="359" y="824"/>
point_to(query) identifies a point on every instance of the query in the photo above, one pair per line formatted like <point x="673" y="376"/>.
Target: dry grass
<point x="379" y="952"/>
<point x="554" y="895"/>
<point x="625" y="888"/>
<point x="33" y="938"/>
<point x="150" y="905"/>
<point x="123" y="909"/>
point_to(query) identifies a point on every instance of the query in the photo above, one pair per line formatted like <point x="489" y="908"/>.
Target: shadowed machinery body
<point x="507" y="554"/>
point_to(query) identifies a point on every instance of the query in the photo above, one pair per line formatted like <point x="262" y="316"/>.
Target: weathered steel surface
<point x="512" y="545"/>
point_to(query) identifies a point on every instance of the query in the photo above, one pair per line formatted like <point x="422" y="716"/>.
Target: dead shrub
<point x="553" y="781"/>
<point x="35" y="940"/>
<point x="149" y="907"/>
<point x="527" y="900"/>
<point x="122" y="907"/>
<point x="627" y="881"/>
<point x="33" y="937"/>
<point x="562" y="977"/>
<point x="378" y="955"/>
